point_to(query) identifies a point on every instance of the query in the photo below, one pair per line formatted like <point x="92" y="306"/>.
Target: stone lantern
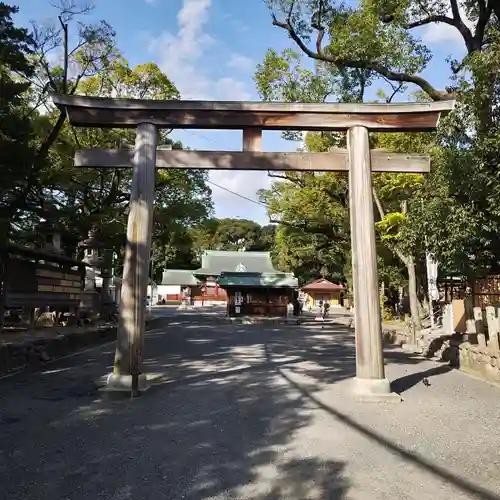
<point x="93" y="256"/>
<point x="96" y="257"/>
<point x="53" y="233"/>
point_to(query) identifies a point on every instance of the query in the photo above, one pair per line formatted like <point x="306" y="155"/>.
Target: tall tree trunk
<point x="412" y="293"/>
<point x="412" y="284"/>
<point x="409" y="262"/>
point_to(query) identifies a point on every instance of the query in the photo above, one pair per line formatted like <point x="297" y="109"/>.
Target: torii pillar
<point x="370" y="383"/>
<point x="127" y="373"/>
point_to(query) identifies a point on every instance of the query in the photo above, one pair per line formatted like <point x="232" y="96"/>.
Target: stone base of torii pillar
<point x="123" y="383"/>
<point x="374" y="390"/>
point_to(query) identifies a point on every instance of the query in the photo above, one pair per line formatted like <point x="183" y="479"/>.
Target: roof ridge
<point x="235" y="252"/>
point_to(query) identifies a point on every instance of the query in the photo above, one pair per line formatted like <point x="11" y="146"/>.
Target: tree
<point x="280" y="77"/>
<point x="17" y="138"/>
<point x="311" y="213"/>
<point x="34" y="198"/>
<point x="93" y="196"/>
<point x="230" y="234"/>
<point x="266" y="240"/>
<point x="377" y="37"/>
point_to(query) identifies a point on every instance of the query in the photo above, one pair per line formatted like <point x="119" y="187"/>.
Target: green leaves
<point x="17" y="146"/>
<point x="390" y="225"/>
<point x="145" y="81"/>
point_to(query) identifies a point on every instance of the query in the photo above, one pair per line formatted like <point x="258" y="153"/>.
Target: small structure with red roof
<point x="321" y="290"/>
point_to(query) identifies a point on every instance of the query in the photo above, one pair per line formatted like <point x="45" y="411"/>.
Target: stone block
<point x="374" y="390"/>
<point x="123" y="383"/>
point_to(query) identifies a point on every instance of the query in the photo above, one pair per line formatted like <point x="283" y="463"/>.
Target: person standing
<point x="326" y="308"/>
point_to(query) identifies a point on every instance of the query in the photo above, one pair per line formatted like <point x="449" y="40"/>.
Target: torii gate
<point x="147" y="116"/>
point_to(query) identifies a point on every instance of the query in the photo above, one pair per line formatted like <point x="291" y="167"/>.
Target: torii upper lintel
<point x="128" y="113"/>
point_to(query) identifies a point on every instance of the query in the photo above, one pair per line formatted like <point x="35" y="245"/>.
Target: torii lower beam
<point x="335" y="160"/>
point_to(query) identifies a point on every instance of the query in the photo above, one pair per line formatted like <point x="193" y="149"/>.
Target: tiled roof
<point x="215" y="262"/>
<point x="322" y="284"/>
<point x="182" y="277"/>
<point x="275" y="280"/>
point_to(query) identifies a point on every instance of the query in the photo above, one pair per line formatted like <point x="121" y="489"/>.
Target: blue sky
<point x="209" y="49"/>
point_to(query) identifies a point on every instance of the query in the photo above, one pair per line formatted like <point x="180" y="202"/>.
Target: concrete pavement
<point x="247" y="412"/>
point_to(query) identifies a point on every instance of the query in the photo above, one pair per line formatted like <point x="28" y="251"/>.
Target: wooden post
<point x="252" y="139"/>
<point x="128" y="358"/>
<point x="493" y="329"/>
<point x="370" y="374"/>
<point x="478" y="318"/>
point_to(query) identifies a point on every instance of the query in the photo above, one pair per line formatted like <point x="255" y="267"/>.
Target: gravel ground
<point x="247" y="412"/>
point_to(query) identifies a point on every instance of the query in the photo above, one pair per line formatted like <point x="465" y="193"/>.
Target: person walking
<point x="326" y="308"/>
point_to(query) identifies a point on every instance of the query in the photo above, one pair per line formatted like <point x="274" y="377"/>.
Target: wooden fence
<point x="36" y="279"/>
<point x="484" y="291"/>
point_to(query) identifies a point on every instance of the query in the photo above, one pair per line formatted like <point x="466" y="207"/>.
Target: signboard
<point x="432" y="276"/>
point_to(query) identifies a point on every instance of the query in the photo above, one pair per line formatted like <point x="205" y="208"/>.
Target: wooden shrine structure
<point x="252" y="118"/>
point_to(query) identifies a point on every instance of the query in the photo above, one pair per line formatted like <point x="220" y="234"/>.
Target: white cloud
<point x="244" y="183"/>
<point x="181" y="56"/>
<point x="444" y="33"/>
<point x="230" y="89"/>
<point x="241" y="63"/>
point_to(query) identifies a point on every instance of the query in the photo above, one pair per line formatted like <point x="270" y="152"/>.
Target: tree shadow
<point x="309" y="478"/>
<point x="219" y="417"/>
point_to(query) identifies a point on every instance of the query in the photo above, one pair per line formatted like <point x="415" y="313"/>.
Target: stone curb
<point x="17" y="356"/>
<point x="246" y="320"/>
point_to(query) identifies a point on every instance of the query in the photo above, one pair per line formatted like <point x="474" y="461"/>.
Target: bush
<point x="385" y="311"/>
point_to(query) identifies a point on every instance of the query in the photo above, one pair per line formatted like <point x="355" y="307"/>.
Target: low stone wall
<point x="476" y="351"/>
<point x="32" y="353"/>
<point x="482" y="361"/>
<point x="257" y="320"/>
<point x="395" y="334"/>
<point x="475" y="359"/>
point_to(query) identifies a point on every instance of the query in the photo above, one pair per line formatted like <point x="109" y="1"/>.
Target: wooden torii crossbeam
<point x="335" y="160"/>
<point x="357" y="119"/>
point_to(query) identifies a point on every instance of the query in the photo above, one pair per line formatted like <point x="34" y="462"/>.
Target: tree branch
<point x="461" y="26"/>
<point x="429" y="20"/>
<point x="325" y="230"/>
<point x="378" y="204"/>
<point x="66" y="55"/>
<point x="381" y="212"/>
<point x="396" y="90"/>
<point x="485" y="11"/>
<point x="379" y="68"/>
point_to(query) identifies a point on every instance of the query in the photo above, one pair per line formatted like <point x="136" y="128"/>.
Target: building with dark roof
<point x="215" y="262"/>
<point x="321" y="290"/>
<point x="248" y="280"/>
<point x="177" y="284"/>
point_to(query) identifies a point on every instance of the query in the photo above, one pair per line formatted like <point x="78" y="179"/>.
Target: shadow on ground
<point x="217" y="424"/>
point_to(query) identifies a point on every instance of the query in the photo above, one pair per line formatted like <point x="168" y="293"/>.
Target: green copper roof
<point x="181" y="277"/>
<point x="215" y="262"/>
<point x="269" y="280"/>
